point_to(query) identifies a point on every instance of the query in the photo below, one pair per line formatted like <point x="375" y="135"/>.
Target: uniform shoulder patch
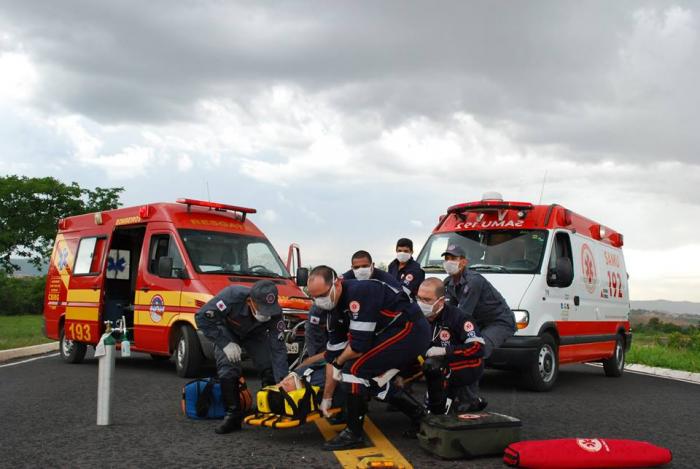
<point x="354" y="306"/>
<point x="468" y="326"/>
<point x="314" y="319"/>
<point x="409" y="277"/>
<point x="221" y="305"/>
<point x="445" y="335"/>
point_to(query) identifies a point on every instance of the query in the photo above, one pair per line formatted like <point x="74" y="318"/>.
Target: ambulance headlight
<point x="522" y="318"/>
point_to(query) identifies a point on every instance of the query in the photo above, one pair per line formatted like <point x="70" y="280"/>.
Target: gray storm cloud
<point x="604" y="81"/>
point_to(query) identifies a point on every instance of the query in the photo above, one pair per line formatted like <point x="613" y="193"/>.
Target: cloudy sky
<point x="350" y="124"/>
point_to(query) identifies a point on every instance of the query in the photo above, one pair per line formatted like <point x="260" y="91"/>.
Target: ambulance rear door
<point x="160" y="282"/>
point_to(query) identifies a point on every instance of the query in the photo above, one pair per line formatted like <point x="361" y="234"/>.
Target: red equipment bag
<point x="585" y="453"/>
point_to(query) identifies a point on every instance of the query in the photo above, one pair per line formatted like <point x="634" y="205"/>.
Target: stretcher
<point x="278" y="407"/>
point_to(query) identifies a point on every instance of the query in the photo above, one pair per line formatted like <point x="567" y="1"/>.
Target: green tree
<point x="30" y="209"/>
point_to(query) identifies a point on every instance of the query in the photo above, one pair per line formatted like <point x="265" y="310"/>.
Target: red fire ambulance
<point x="156" y="265"/>
<point x="562" y="274"/>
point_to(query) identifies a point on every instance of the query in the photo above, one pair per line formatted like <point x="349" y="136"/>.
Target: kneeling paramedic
<point x="250" y="318"/>
<point x="453" y="362"/>
<point x="374" y="331"/>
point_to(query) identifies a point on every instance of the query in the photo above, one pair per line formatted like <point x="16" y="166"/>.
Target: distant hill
<point x="670" y="307"/>
<point x="26" y="269"/>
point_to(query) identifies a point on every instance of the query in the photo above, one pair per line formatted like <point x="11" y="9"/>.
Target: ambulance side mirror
<point x="564" y="272"/>
<point x="302" y="276"/>
<point x="165" y="267"/>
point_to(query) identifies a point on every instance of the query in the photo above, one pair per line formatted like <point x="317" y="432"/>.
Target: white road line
<point x="654" y="373"/>
<point x="30" y="360"/>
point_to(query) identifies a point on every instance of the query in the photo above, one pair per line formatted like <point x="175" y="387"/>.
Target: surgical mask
<point x="403" y="257"/>
<point x="363" y="273"/>
<point x="260" y="317"/>
<point x="451" y="267"/>
<point x="325" y="302"/>
<point x="428" y="308"/>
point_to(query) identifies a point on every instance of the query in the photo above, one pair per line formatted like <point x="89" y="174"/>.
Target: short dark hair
<point x="404" y="243"/>
<point x="361" y="255"/>
<point x="326" y="273"/>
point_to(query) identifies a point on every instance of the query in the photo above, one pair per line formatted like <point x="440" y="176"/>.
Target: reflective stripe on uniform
<point x="363" y="326"/>
<point x="348" y="378"/>
<point x="475" y="339"/>
<point x="336" y="347"/>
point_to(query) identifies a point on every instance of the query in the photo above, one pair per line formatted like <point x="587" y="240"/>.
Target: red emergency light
<point x="489" y="206"/>
<point x="217" y="206"/>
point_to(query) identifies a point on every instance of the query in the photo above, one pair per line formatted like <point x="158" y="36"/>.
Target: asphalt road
<point x="48" y="412"/>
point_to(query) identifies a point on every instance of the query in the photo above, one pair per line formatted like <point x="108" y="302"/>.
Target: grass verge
<point x="645" y="351"/>
<point x="21" y="331"/>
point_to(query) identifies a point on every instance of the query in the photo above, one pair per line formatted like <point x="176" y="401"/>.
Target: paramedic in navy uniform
<point x="404" y="268"/>
<point x="453" y="361"/>
<point x="244" y="318"/>
<point x="362" y="268"/>
<point x="473" y="294"/>
<point x="372" y="328"/>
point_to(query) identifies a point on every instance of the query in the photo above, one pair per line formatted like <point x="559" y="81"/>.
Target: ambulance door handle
<point x="577" y="300"/>
<point x="145" y="289"/>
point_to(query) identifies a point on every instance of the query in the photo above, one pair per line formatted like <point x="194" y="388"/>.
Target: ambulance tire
<point x="187" y="353"/>
<point x="542" y="373"/>
<point x="615" y="365"/>
<point x="71" y="351"/>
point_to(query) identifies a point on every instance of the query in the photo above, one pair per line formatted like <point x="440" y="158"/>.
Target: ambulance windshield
<point x="215" y="252"/>
<point x="492" y="251"/>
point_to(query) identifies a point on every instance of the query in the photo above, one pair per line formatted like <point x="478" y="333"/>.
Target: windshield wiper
<point x="488" y="268"/>
<point x="250" y="273"/>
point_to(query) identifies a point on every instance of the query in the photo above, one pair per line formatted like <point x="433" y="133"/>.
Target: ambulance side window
<point x="88" y="260"/>
<point x="561" y="249"/>
<point x="162" y="245"/>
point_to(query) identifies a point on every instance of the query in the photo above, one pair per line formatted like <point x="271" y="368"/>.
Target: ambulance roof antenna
<point x="544" y="179"/>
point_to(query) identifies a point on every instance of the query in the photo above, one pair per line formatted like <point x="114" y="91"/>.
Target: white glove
<point x="337" y="374"/>
<point x="325" y="406"/>
<point x="435" y="352"/>
<point x="233" y="352"/>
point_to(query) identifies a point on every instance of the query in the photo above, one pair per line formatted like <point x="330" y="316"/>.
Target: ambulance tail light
<point x="217" y="206"/>
<point x="617" y="240"/>
<point x="597" y="232"/>
<point x="63" y="224"/>
<point x="522" y="318"/>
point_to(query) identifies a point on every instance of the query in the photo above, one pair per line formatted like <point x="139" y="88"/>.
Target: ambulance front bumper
<point x="516" y="352"/>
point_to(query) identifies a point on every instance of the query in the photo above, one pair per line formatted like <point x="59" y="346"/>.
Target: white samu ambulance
<point x="562" y="274"/>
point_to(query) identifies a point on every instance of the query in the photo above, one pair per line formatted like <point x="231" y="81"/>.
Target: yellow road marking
<point x="351" y="458"/>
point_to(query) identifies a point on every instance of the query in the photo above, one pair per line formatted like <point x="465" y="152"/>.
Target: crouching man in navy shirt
<point x="374" y="330"/>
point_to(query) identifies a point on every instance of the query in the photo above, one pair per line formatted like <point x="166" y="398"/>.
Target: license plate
<point x="293" y="348"/>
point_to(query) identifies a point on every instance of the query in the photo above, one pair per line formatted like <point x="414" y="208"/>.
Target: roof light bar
<point x="217" y="206"/>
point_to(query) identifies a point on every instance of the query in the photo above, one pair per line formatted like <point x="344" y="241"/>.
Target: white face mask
<point x="428" y="308"/>
<point x="451" y="267"/>
<point x="260" y="317"/>
<point x="363" y="273"/>
<point x="325" y="302"/>
<point x="403" y="257"/>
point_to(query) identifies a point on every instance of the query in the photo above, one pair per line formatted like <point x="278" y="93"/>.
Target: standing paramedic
<point x="374" y="331"/>
<point x="244" y="318"/>
<point x="473" y="294"/>
<point x="453" y="362"/>
<point x="405" y="269"/>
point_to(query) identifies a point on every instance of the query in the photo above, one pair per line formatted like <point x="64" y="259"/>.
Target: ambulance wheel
<point x="543" y="371"/>
<point x="188" y="354"/>
<point x="615" y="365"/>
<point x="71" y="351"/>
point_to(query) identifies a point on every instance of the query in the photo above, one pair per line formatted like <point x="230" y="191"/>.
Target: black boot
<point x="352" y="436"/>
<point x="435" y="373"/>
<point x="232" y="400"/>
<point x="469" y="401"/>
<point x="407" y="404"/>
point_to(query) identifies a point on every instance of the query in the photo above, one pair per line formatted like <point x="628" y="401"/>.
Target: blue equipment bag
<point x="201" y="399"/>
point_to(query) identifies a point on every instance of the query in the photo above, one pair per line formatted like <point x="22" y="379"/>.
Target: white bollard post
<point x="105" y="381"/>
